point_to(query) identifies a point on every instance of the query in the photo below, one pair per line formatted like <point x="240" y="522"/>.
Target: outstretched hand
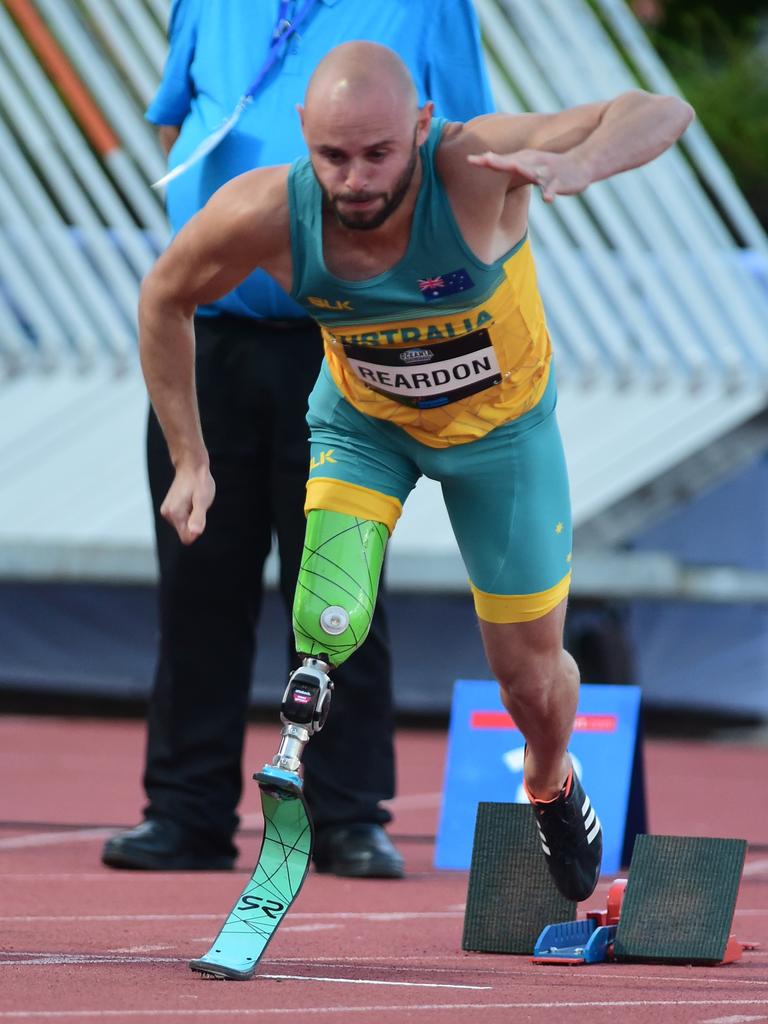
<point x="556" y="174"/>
<point x="190" y="496"/>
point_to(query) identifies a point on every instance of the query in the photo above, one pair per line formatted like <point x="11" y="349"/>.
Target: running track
<point x="80" y="943"/>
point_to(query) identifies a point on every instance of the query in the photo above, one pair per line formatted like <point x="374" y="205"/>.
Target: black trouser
<point x="253" y="380"/>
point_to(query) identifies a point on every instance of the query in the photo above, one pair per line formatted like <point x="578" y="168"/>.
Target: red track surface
<point x="79" y="942"/>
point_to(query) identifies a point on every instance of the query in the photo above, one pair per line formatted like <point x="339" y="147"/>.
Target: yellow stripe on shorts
<point x="353" y="500"/>
<point x="519" y="607"/>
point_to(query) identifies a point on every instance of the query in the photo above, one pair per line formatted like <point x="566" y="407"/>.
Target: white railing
<point x="661" y="271"/>
<point x="82" y="230"/>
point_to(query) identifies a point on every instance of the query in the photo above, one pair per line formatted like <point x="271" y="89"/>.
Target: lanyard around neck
<point x="285" y="28"/>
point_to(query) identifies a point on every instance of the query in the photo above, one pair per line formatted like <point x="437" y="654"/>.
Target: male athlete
<point x="405" y="238"/>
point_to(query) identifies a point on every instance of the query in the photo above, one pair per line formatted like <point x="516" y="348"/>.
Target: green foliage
<point x="680" y="19"/>
<point x="722" y="69"/>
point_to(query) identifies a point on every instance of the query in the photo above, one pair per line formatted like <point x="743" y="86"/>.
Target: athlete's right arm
<point x="245" y="225"/>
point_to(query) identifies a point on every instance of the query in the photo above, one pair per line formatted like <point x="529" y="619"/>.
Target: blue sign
<point x="485" y="762"/>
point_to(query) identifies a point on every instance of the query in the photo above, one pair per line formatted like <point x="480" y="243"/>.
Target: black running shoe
<point x="572" y="840"/>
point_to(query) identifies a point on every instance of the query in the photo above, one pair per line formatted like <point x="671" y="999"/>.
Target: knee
<point x="534" y="678"/>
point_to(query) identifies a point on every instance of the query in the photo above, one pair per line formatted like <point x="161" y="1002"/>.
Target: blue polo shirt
<point x="217" y="50"/>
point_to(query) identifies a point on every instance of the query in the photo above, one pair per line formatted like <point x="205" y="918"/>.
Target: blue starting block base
<point x="583" y="942"/>
<point x="575" y="942"/>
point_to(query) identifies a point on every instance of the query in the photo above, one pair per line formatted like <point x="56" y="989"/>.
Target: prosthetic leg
<point x="332" y="612"/>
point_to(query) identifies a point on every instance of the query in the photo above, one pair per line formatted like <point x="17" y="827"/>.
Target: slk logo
<point x="332" y="304"/>
<point x="325" y="457"/>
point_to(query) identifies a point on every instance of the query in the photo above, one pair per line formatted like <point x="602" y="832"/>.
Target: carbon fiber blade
<point x="276" y="880"/>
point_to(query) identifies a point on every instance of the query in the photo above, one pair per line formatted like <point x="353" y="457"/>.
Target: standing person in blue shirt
<point x="258" y="354"/>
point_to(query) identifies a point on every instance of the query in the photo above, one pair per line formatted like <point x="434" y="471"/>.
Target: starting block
<point x="676" y="907"/>
<point x="680" y="900"/>
<point x="511" y="895"/>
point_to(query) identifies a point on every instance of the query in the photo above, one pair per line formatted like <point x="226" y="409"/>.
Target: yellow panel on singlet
<point x="514" y="319"/>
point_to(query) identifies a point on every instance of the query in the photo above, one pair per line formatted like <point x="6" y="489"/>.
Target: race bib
<point x="428" y="375"/>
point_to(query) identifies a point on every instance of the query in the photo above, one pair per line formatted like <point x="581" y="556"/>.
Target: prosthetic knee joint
<point x="306" y="702"/>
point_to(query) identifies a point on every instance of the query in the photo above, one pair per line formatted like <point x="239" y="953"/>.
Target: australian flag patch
<point x="446" y="284"/>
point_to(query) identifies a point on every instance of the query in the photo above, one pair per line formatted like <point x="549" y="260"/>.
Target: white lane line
<point x="308" y="927"/>
<point x="411" y="802"/>
<point x="368" y="981"/>
<point x="739" y="1018"/>
<point x="382" y="915"/>
<point x="404" y="915"/>
<point x="617" y="970"/>
<point x="88" y="876"/>
<point x="84" y="835"/>
<point x="130" y="949"/>
<point x="69" y="918"/>
<point x="38" y="957"/>
<point x="65" y="959"/>
<point x="481" y="1008"/>
<point x="756" y="867"/>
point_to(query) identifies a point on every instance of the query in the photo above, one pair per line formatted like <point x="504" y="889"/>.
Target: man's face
<point x="377" y="196"/>
<point x="364" y="164"/>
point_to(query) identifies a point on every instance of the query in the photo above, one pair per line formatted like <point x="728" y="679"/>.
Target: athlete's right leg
<point x="539" y="687"/>
<point x="508" y="500"/>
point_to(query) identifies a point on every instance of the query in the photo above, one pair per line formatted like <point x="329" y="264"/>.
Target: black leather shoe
<point x="160" y="844"/>
<point x="357" y="851"/>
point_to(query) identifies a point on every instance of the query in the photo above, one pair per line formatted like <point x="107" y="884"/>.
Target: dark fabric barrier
<point x="99" y="641"/>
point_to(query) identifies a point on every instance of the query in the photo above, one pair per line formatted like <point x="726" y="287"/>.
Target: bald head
<point x="354" y="75"/>
<point x="363" y="128"/>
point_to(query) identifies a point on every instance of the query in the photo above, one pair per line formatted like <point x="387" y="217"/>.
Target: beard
<point x="364" y="220"/>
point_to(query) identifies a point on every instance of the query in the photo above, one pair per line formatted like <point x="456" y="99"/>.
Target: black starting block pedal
<point x="511" y="895"/>
<point x="680" y="900"/>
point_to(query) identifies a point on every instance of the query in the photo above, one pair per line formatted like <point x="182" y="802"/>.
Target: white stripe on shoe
<point x="589" y="819"/>
<point x="543" y="841"/>
<point x="595" y="829"/>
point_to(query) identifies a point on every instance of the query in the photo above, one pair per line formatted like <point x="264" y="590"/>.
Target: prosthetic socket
<point x="332" y="612"/>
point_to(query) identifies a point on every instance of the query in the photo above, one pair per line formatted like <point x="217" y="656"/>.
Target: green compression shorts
<point x="506" y="494"/>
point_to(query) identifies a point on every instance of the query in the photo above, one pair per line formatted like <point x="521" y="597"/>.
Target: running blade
<point x="276" y="880"/>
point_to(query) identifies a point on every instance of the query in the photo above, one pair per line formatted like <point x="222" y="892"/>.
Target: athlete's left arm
<point x="565" y="153"/>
